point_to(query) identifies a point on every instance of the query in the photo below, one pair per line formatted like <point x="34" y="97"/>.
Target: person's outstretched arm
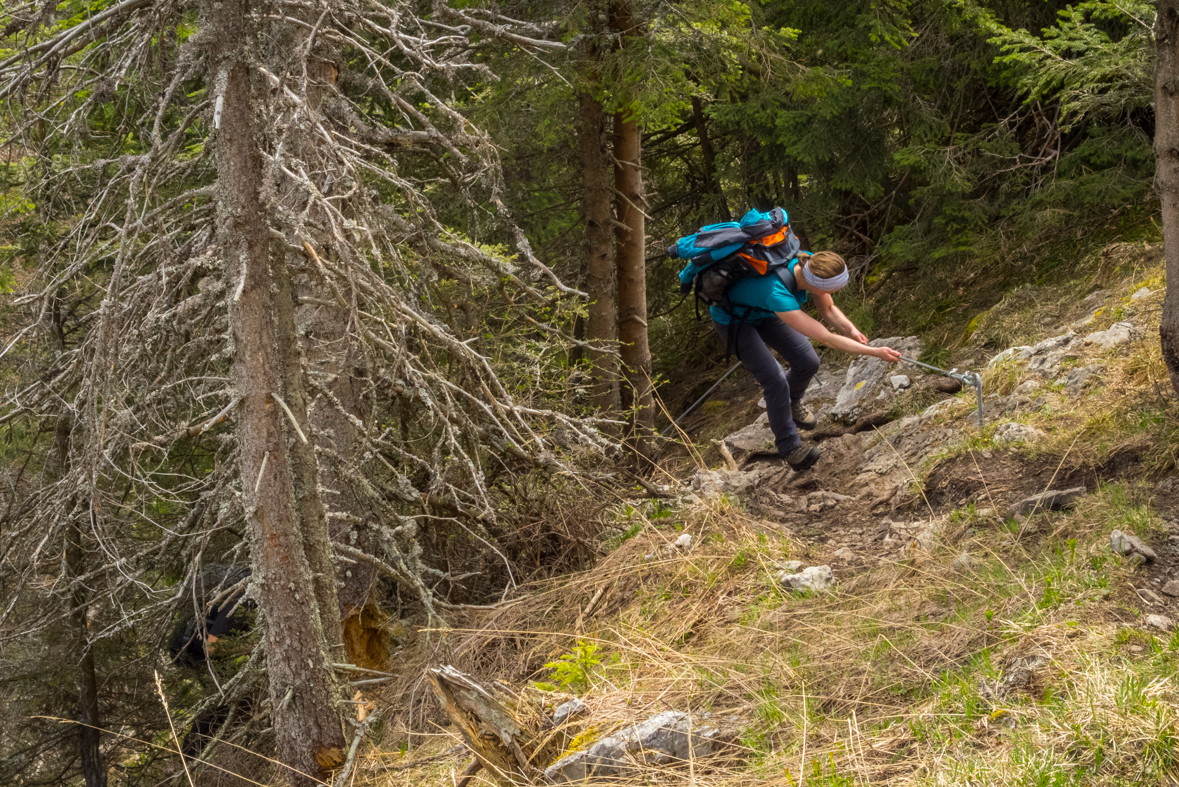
<point x="811" y="328"/>
<point x="835" y="317"/>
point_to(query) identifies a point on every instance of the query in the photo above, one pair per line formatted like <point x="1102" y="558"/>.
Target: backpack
<point x="724" y="254"/>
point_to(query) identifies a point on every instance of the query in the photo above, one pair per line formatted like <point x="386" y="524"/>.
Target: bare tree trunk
<point x="711" y="181"/>
<point x="599" y="251"/>
<point x="339" y="368"/>
<point x="313" y="524"/>
<point x="89" y="723"/>
<point x="1166" y="150"/>
<point x="337" y="365"/>
<point x="303" y="692"/>
<point x="634" y="350"/>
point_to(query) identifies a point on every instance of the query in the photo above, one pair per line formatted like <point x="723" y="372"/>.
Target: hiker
<point x="754" y="311"/>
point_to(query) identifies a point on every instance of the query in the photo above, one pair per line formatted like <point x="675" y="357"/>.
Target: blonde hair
<point x="826" y="264"/>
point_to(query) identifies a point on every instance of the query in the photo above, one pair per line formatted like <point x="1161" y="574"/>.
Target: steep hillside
<point x="900" y="613"/>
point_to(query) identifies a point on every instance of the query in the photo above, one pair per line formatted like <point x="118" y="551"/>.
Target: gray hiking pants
<point x="753" y="345"/>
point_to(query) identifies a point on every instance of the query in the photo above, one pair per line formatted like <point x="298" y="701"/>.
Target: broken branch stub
<point x="497" y="737"/>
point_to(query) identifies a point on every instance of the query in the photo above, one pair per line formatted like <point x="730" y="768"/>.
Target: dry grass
<point x="884" y="681"/>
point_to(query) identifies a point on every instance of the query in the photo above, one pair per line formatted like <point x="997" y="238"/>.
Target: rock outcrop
<point x="867" y="385"/>
<point x="661" y="740"/>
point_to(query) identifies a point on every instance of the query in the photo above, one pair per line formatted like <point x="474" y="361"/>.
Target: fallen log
<point x="507" y="745"/>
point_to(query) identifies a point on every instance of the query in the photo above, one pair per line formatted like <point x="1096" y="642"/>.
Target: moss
<point x="587" y="738"/>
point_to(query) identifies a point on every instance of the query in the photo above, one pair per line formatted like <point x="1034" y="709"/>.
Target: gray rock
<point x="569" y="710"/>
<point x="761" y="403"/>
<point x="1171" y="588"/>
<point x="822" y="500"/>
<point x="865" y="379"/>
<point x="1166" y="486"/>
<point x="1027" y="388"/>
<point x="900" y="382"/>
<point x="661" y="740"/>
<point x="1116" y="335"/>
<point x="1053" y="500"/>
<point x="714" y="483"/>
<point x="1160" y="622"/>
<point x="1020" y="353"/>
<point x="1094" y="296"/>
<point x="1141" y="293"/>
<point x="844" y="554"/>
<point x="1018" y="433"/>
<point x="963" y="562"/>
<point x="816" y="578"/>
<point x="753" y="438"/>
<point x="1132" y="547"/>
<point x="1044" y="357"/>
<point x="683" y="542"/>
<point x="1075" y="381"/>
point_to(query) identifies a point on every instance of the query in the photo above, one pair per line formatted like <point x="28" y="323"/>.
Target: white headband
<point x="836" y="282"/>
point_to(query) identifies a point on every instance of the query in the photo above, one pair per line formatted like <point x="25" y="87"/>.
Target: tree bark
<point x="89" y="722"/>
<point x="303" y="693"/>
<point x="338" y="366"/>
<point x="1166" y="150"/>
<point x="630" y="238"/>
<point x="313" y="524"/>
<point x="599" y="251"/>
<point x="711" y="181"/>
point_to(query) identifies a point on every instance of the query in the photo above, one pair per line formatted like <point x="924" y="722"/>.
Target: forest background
<point x="367" y="291"/>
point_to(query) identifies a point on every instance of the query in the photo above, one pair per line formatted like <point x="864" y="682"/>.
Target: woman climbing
<point x="764" y="313"/>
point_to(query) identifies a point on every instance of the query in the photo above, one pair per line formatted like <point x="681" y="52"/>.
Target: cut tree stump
<point x="506" y="744"/>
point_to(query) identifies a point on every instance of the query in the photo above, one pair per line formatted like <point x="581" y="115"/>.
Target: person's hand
<point x="859" y="337"/>
<point x="886" y="354"/>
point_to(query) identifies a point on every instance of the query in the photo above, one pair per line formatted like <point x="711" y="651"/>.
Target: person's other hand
<point x="886" y="354"/>
<point x="859" y="337"/>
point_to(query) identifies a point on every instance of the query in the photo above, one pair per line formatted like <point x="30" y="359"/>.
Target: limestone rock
<point x="1160" y="622"/>
<point x="1027" y="388"/>
<point x="816" y="578"/>
<point x="1021" y="353"/>
<point x="822" y="500"/>
<point x="1116" y="335"/>
<point x="1052" y="500"/>
<point x="1141" y="293"/>
<point x="753" y="438"/>
<point x="865" y="379"/>
<point x="661" y="740"/>
<point x="1075" y="381"/>
<point x="1018" y="433"/>
<point x="569" y="710"/>
<point x="714" y="483"/>
<point x="1046" y="357"/>
<point x="844" y="554"/>
<point x="1171" y="588"/>
<point x="1132" y="547"/>
<point x="963" y="562"/>
<point x="900" y="382"/>
<point x="683" y="542"/>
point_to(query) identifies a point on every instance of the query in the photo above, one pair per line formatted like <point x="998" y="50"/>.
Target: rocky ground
<point x="873" y="500"/>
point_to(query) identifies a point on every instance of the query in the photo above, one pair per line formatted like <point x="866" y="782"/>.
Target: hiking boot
<point x="803" y="457"/>
<point x="804" y="417"/>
